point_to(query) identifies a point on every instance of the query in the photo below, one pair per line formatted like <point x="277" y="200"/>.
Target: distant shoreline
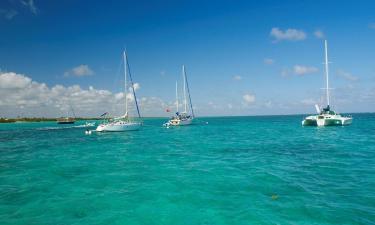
<point x="42" y="119"/>
<point x="37" y="119"/>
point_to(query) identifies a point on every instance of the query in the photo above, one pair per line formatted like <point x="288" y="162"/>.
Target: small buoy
<point x="274" y="197"/>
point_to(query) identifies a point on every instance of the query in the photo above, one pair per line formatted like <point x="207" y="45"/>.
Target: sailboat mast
<point x="176" y="97"/>
<point x="326" y="68"/>
<point x="125" y="92"/>
<point x="184" y="78"/>
<point x="188" y="92"/>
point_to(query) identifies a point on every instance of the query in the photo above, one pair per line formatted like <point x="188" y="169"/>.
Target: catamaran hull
<point x="118" y="127"/>
<point x="309" y="122"/>
<point x="327" y="122"/>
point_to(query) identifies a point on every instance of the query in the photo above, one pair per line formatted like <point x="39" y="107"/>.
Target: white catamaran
<point x="123" y="123"/>
<point x="326" y="117"/>
<point x="182" y="118"/>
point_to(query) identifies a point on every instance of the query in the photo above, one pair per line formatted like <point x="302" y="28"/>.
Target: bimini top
<point x="327" y="110"/>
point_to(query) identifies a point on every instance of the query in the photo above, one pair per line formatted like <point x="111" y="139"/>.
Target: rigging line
<point x="71" y="108"/>
<point x="188" y="89"/>
<point x="131" y="81"/>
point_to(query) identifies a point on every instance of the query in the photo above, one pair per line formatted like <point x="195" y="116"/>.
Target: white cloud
<point x="289" y="34"/>
<point x="20" y="95"/>
<point x="268" y="104"/>
<point x="80" y="71"/>
<point x="12" y="80"/>
<point x="237" y="77"/>
<point x="119" y="96"/>
<point x="130" y="95"/>
<point x="319" y="34"/>
<point x="8" y="14"/>
<point x="347" y="76"/>
<point x="153" y="106"/>
<point x="285" y="72"/>
<point x="308" y="101"/>
<point x="268" y="61"/>
<point x="303" y="70"/>
<point x="248" y="98"/>
<point x="136" y="86"/>
<point x="30" y="4"/>
<point x="212" y="105"/>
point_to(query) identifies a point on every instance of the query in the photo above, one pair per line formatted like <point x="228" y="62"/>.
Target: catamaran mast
<point x="184" y="78"/>
<point x="126" y="86"/>
<point x="176" y="97"/>
<point x="326" y="68"/>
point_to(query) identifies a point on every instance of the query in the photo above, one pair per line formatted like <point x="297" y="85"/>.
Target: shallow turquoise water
<point x="233" y="170"/>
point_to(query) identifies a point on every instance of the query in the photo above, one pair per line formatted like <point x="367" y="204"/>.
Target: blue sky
<point x="242" y="58"/>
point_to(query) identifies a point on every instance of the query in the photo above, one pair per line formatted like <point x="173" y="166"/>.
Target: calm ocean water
<point x="233" y="170"/>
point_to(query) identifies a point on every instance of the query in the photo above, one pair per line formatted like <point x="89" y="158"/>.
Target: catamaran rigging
<point x="326" y="117"/>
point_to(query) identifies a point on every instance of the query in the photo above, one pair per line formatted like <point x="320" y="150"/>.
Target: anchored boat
<point x="185" y="117"/>
<point x="67" y="120"/>
<point x="326" y="116"/>
<point x="123" y="123"/>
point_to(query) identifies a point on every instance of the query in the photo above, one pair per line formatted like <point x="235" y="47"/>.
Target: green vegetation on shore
<point x="36" y="119"/>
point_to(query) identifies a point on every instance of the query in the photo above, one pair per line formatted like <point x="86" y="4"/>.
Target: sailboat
<point x="326" y="116"/>
<point x="67" y="120"/>
<point x="123" y="123"/>
<point x="185" y="117"/>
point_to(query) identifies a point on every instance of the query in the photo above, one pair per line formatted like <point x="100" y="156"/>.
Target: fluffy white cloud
<point x="20" y="95"/>
<point x="237" y="77"/>
<point x="80" y="71"/>
<point x="12" y="80"/>
<point x="248" y="98"/>
<point x="136" y="86"/>
<point x="347" y="76"/>
<point x="288" y="34"/>
<point x="302" y="70"/>
<point x="268" y="61"/>
<point x="31" y="5"/>
<point x="319" y="34"/>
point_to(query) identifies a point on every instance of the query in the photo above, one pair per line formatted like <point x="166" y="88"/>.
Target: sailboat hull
<point x="177" y="122"/>
<point x="119" y="127"/>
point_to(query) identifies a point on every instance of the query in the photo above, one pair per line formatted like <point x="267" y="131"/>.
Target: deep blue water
<point x="233" y="170"/>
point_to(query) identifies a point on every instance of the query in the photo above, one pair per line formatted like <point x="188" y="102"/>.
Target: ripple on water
<point x="235" y="170"/>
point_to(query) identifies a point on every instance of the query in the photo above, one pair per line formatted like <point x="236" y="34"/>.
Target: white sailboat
<point x="123" y="123"/>
<point x="326" y="117"/>
<point x="182" y="118"/>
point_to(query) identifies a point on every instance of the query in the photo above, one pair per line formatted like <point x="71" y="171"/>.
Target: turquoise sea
<point x="233" y="170"/>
